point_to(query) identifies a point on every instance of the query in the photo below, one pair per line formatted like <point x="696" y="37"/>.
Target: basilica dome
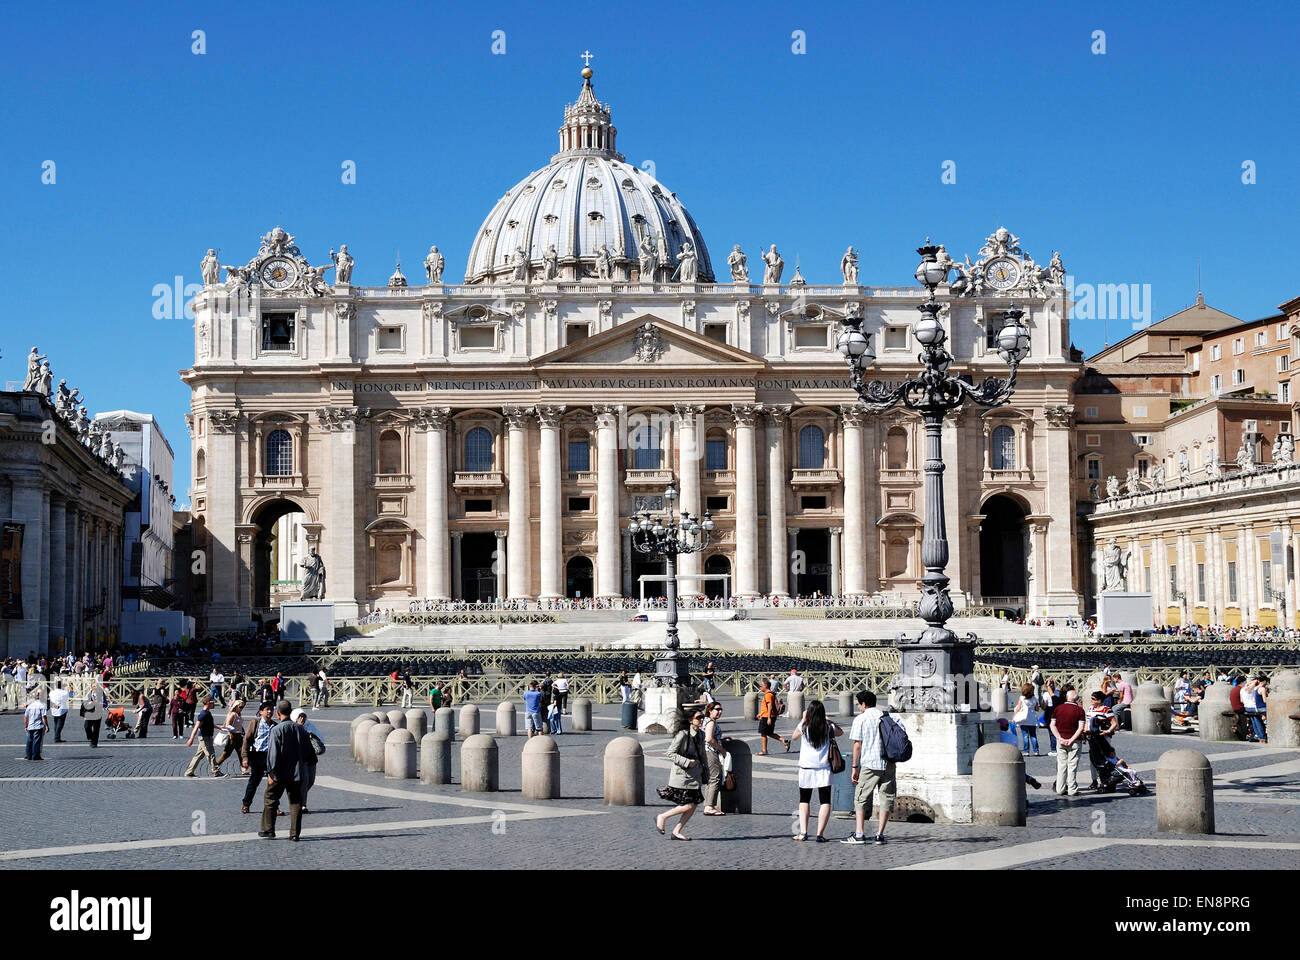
<point x="588" y="198"/>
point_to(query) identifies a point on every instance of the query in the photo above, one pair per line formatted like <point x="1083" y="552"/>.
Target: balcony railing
<point x="479" y="480"/>
<point x="648" y="478"/>
<point x="581" y="476"/>
<point x="720" y="476"/>
<point x="814" y="477"/>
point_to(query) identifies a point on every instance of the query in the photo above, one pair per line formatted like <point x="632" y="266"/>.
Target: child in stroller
<point x="1110" y="772"/>
<point x="117" y="723"/>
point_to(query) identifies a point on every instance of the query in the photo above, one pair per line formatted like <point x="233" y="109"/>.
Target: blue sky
<point x="1129" y="163"/>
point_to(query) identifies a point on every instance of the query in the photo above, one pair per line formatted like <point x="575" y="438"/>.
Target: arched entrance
<point x="579" y="580"/>
<point x="1003" y="562"/>
<point x="278" y="546"/>
<point x="714" y="565"/>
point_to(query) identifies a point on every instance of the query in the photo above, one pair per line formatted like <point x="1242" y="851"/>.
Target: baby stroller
<point x="1112" y="772"/>
<point x="117" y="723"/>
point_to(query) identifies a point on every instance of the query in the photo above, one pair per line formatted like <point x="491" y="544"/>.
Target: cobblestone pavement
<point x="126" y="804"/>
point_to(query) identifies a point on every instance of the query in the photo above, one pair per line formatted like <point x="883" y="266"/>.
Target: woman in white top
<point x="815" y="766"/>
<point x="714" y="752"/>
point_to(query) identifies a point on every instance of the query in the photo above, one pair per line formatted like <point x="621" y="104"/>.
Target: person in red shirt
<point x="1068" y="726"/>
<point x="767" y="714"/>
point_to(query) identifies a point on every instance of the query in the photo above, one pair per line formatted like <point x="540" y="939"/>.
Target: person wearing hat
<point x="299" y="717"/>
<point x="1036" y="678"/>
<point x="35" y="722"/>
<point x="252" y="753"/>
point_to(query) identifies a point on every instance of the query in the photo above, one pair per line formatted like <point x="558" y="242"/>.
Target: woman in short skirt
<point x="687" y="757"/>
<point x="815" y="767"/>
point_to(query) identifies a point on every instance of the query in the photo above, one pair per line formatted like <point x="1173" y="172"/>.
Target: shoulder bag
<point x="833" y="753"/>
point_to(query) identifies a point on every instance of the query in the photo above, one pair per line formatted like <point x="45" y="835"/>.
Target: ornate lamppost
<point x="931" y="664"/>
<point x="670" y="536"/>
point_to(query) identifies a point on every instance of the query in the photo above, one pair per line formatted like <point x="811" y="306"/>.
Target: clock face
<point x="1002" y="274"/>
<point x="278" y="273"/>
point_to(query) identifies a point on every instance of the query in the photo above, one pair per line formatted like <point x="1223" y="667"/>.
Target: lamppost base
<point x="936" y="674"/>
<point x="936" y="782"/>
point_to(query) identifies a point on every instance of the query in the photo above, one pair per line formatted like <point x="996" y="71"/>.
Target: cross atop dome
<point x="587" y="130"/>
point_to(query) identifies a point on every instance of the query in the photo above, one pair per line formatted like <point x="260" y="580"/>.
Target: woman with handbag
<point x="716" y="754"/>
<point x="686" y="753"/>
<point x="1027" y="715"/>
<point x="233" y="730"/>
<point x="815" y="751"/>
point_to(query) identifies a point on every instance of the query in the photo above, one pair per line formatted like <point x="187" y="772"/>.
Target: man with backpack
<point x="878" y="743"/>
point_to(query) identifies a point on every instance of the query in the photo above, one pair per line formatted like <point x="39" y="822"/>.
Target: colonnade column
<point x="609" y="567"/>
<point x="1041" y="566"/>
<point x="222" y="558"/>
<point x="1293" y="583"/>
<point x="1246" y="563"/>
<point x="551" y="553"/>
<point x="854" y="518"/>
<point x="1059" y="542"/>
<point x="434" y="421"/>
<point x="746" y="500"/>
<point x="59" y="569"/>
<point x="500" y="558"/>
<point x="517" y="419"/>
<point x="341" y="577"/>
<point x="24" y="635"/>
<point x="835" y="561"/>
<point x="777" y="483"/>
<point x="1215" y="574"/>
<point x="690" y="455"/>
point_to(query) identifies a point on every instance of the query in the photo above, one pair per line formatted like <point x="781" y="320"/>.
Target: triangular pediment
<point x="648" y="341"/>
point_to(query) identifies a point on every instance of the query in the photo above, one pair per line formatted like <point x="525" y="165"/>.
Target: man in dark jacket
<point x="286" y="762"/>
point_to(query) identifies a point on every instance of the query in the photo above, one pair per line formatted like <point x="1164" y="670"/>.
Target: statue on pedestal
<point x="1246" y="459"/>
<point x="313" y="577"/>
<point x="649" y="258"/>
<point x="1213" y="470"/>
<point x="342" y="265"/>
<point x="687" y="264"/>
<point x="1132" y="486"/>
<point x="775" y="266"/>
<point x="45" y="380"/>
<point x="550" y="263"/>
<point x="849" y="267"/>
<point x="739" y="265"/>
<point x="1284" y="452"/>
<point x="1158" y="476"/>
<point x="1112" y="487"/>
<point x="604" y="263"/>
<point x="82" y="424"/>
<point x="33" y="369"/>
<point x="1184" y="468"/>
<point x="211" y="268"/>
<point x="434" y="264"/>
<point x="519" y="261"/>
<point x="1056" y="270"/>
<point x="1114" y="564"/>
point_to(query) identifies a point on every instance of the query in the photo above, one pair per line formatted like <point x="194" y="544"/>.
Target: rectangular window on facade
<point x="1173" y="579"/>
<point x="278" y="331"/>
<point x="1216" y="352"/>
<point x="478" y="506"/>
<point x="715" y="455"/>
<point x="1140" y="410"/>
<point x="1216" y="383"/>
<point x="896" y="338"/>
<point x="812" y="503"/>
<point x="1265" y="577"/>
<point x="1283" y="363"/>
<point x="576" y="332"/>
<point x="1094" y="469"/>
<point x="1261" y="338"/>
<point x="579" y="504"/>
<point x="715" y="504"/>
<point x="1092" y="439"/>
<point x="810" y="336"/>
<point x="390" y="338"/>
<point x="1200" y="583"/>
<point x="1238" y="377"/>
<point x="1284" y="391"/>
<point x="1232" y="581"/>
<point x="1090" y="412"/>
<point x="478" y="338"/>
<point x="1146" y="579"/>
<point x="1144" y="465"/>
<point x="1284" y="331"/>
<point x="579" y="456"/>
<point x="1196" y="361"/>
<point x="716" y="331"/>
<point x="1238" y="346"/>
<point x="1142" y="439"/>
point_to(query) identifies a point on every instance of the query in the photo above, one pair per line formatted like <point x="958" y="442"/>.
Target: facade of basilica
<point x="490" y="439"/>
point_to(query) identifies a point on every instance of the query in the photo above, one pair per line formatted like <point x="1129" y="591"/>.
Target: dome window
<point x="628" y="184"/>
<point x="593" y="183"/>
<point x="551" y="218"/>
<point x="512" y="224"/>
<point x="529" y="189"/>
<point x="595" y="216"/>
<point x="476" y="312"/>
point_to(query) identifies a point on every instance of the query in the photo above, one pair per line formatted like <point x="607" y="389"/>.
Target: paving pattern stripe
<point x="129" y="845"/>
<point x="457" y="800"/>
<point x="1041" y="850"/>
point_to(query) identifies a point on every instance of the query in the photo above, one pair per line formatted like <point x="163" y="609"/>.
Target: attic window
<point x="550" y="218"/>
<point x="529" y="189"/>
<point x="512" y="224"/>
<point x="558" y="185"/>
<point x="628" y="184"/>
<point x="595" y="216"/>
<point x="593" y="183"/>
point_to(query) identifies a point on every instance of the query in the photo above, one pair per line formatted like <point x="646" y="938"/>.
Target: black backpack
<point x="893" y="740"/>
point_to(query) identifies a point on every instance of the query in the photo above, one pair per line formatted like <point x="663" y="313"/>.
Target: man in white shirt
<point x="216" y="685"/>
<point x="35" y="723"/>
<point x="324" y="688"/>
<point x="59" y="699"/>
<point x="872" y="772"/>
<point x="560" y="689"/>
<point x="794" y="682"/>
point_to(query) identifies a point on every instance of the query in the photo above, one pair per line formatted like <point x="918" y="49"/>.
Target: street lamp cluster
<point x="670" y="536"/>
<point x="931" y="663"/>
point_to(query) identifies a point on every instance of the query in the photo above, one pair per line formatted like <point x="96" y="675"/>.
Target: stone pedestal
<point x="1123" y="613"/>
<point x="307" y="621"/>
<point x="936" y="782"/>
<point x="661" y="713"/>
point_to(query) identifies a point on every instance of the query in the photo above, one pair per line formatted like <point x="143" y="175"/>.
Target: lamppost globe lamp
<point x="937" y="669"/>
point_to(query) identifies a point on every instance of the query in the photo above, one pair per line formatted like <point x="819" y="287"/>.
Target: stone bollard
<point x="1151" y="711"/>
<point x="435" y="758"/>
<point x="848" y="704"/>
<point x="1217" y="721"/>
<point x="999" y="700"/>
<point x="380" y="716"/>
<point x="581" y="716"/>
<point x="998" y="786"/>
<point x="444" y="722"/>
<point x="468" y="720"/>
<point x="417" y="721"/>
<point x="399" y="755"/>
<point x="360" y="730"/>
<point x="478" y="764"/>
<point x="1184" y="792"/>
<point x="375" y="741"/>
<point x="740" y="800"/>
<point x="398" y="719"/>
<point x="794" y="705"/>
<point x="751" y="706"/>
<point x="506" y="719"/>
<point x="624" y="773"/>
<point x="1283" y="701"/>
<point x="541" y="768"/>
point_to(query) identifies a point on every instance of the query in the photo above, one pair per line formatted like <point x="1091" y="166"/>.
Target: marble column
<point x="457" y="583"/>
<point x="341" y="534"/>
<point x="500" y="559"/>
<point x="46" y="634"/>
<point x="1041" y="566"/>
<point x="223" y="483"/>
<point x="778" y="486"/>
<point x="1133" y="583"/>
<point x="24" y="635"/>
<point x="746" y="572"/>
<point x="519" y="579"/>
<point x="551" y="552"/>
<point x="1058" y="588"/>
<point x="874" y="447"/>
<point x="792" y="545"/>
<point x="855" y="527"/>
<point x="59" y="571"/>
<point x="1214" y="574"/>
<point x="835" y="561"/>
<point x="1246" y="562"/>
<point x="434" y="420"/>
<point x="1293" y="582"/>
<point x="690" y="460"/>
<point x="608" y="560"/>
